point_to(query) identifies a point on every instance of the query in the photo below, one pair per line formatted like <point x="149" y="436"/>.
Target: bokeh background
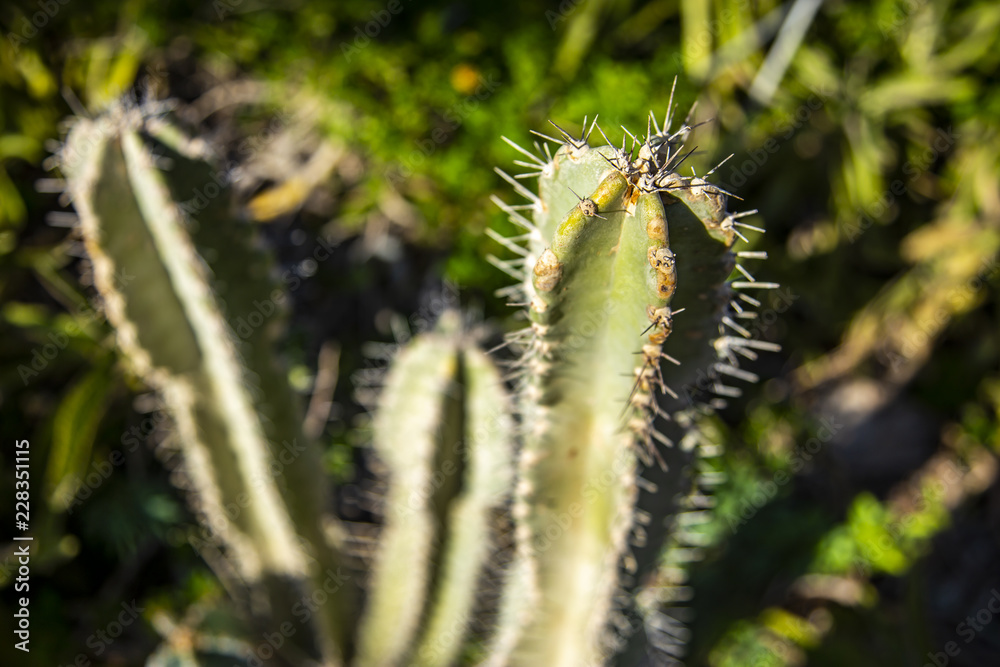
<point x="858" y="523"/>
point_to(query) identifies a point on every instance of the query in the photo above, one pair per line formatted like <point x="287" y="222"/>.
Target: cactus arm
<point x="196" y="353"/>
<point x="444" y="434"/>
<point x="592" y="292"/>
<point x="619" y="245"/>
<point x="407" y="437"/>
<point x="157" y="286"/>
<point x="468" y="545"/>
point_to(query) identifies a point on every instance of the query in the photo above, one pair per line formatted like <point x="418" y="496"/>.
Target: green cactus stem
<point x="444" y="434"/>
<point x="193" y="271"/>
<point x="624" y="271"/>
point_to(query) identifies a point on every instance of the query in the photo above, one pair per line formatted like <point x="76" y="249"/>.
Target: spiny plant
<point x="174" y="269"/>
<point x="550" y="528"/>
<point x="609" y="388"/>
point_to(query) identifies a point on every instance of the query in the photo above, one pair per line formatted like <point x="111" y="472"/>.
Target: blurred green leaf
<point x="74" y="429"/>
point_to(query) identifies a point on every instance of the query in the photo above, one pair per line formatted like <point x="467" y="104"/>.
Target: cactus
<point x="445" y="434"/>
<point x="624" y="269"/>
<point x="193" y="271"/>
<point x="619" y="245"/>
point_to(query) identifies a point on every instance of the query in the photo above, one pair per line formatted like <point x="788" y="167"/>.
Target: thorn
<point x="735" y="327"/>
<point x="506" y="268"/>
<point x="737" y="372"/>
<point x="531" y="156"/>
<point x="506" y="243"/>
<point x="674" y="167"/>
<point x="745" y="273"/>
<point x="608" y="141"/>
<point x="634" y="140"/>
<point x="61" y="219"/>
<point x="518" y="188"/>
<point x="74" y="103"/>
<point x="736" y="343"/>
<point x="548" y="153"/>
<point x="694" y="106"/>
<point x="646" y="485"/>
<point x="669" y="119"/>
<point x="570" y="139"/>
<point x="746" y="226"/>
<point x="587" y="206"/>
<point x="50" y="185"/>
<point x="546" y="137"/>
<point x="586" y="137"/>
<point x="514" y="216"/>
<point x="712" y="170"/>
<point x="662" y="438"/>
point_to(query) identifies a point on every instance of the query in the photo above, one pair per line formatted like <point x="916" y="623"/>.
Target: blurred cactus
<point x="608" y="385"/>
<point x="140" y="189"/>
<point x="445" y="434"/>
